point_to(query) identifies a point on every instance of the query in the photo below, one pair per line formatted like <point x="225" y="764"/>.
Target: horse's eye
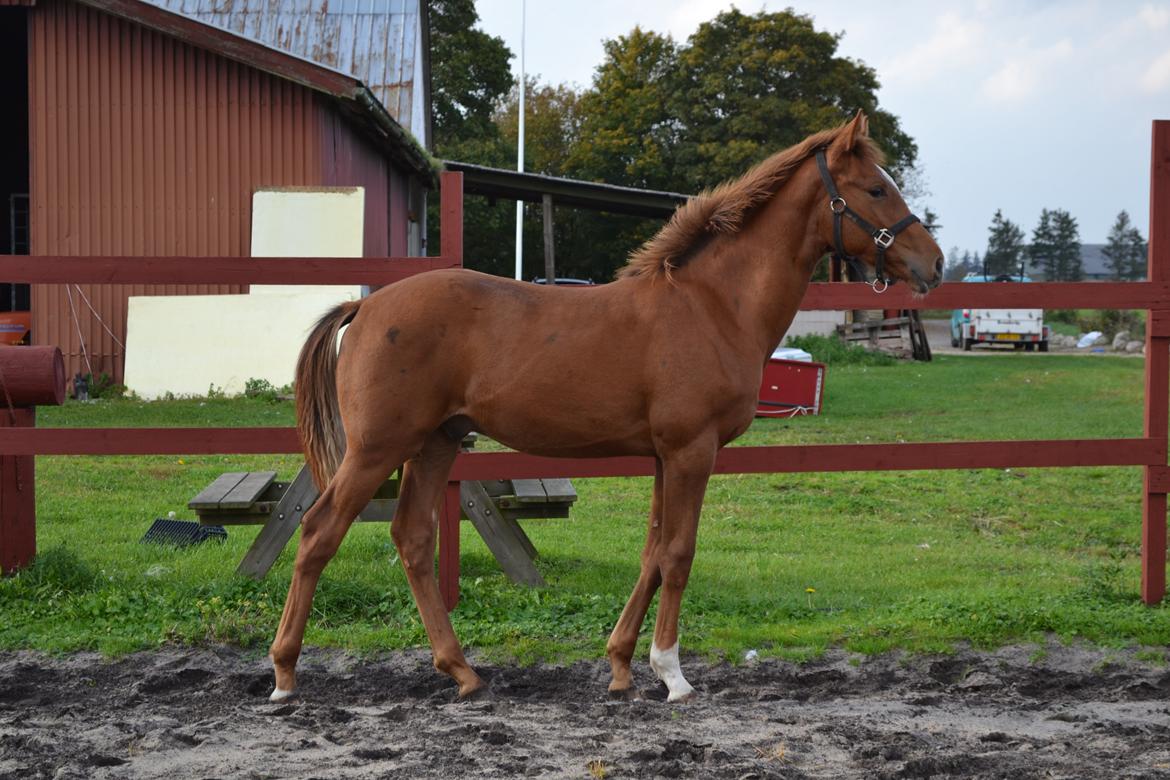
<point x="877" y="192"/>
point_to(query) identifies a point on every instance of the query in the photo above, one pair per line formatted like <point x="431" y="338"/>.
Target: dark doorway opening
<point x="15" y="214"/>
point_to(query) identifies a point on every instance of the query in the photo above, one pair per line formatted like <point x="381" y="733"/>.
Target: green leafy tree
<point x="1005" y="246"/>
<point x="470" y="77"/>
<point x="583" y="239"/>
<point x="749" y="85"/>
<point x="469" y="73"/>
<point x="1125" y="250"/>
<point x="627" y="128"/>
<point x="1066" y="242"/>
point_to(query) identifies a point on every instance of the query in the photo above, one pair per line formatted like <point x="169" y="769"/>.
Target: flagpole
<point x="520" y="151"/>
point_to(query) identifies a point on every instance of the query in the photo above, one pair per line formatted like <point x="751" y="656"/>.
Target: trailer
<point x="1021" y="328"/>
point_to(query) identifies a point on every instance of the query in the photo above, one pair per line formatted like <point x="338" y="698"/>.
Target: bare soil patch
<point x="1074" y="712"/>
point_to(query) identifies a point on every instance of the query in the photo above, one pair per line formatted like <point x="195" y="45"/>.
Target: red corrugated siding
<point x="142" y="145"/>
<point x="352" y="161"/>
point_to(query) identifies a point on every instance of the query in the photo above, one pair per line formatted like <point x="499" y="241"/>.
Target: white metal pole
<point x="520" y="150"/>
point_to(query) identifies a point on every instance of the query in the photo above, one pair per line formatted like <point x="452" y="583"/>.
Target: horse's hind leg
<point x="322" y="529"/>
<point x="624" y="638"/>
<point x="423" y="479"/>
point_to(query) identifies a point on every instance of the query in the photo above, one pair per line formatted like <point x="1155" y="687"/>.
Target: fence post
<point x="451" y="248"/>
<point x="451" y="215"/>
<point x="1156" y="480"/>
<point x="449" y="546"/>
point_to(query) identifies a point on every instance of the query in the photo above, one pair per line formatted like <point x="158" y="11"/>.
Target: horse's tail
<point x="318" y="416"/>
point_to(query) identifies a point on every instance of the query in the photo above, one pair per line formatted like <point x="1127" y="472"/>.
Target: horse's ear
<point x="856" y="130"/>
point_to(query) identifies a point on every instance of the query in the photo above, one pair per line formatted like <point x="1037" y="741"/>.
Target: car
<point x="564" y="281"/>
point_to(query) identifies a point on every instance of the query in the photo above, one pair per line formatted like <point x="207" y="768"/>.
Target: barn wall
<point x="143" y="145"/>
<point x="350" y="160"/>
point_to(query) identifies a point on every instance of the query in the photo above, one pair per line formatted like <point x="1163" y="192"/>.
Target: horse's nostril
<point x="938" y="267"/>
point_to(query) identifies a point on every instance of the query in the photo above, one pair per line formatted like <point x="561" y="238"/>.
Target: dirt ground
<point x="1072" y="712"/>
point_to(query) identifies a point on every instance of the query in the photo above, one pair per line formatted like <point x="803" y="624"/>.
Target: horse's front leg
<point x="685" y="475"/>
<point x="624" y="638"/>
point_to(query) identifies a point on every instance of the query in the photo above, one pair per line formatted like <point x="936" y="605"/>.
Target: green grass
<point x="914" y="560"/>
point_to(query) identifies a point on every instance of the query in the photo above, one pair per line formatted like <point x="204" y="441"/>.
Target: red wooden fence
<point x="1148" y="451"/>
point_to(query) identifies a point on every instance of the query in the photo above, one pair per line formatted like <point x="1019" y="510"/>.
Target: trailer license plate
<point x="1007" y="336"/>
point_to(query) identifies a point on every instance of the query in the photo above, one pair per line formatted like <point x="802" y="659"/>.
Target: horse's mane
<point x="724" y="209"/>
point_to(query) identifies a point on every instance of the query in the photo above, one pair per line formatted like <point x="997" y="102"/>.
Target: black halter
<point x="882" y="237"/>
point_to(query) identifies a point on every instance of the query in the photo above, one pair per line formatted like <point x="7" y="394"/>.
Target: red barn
<point x="141" y="131"/>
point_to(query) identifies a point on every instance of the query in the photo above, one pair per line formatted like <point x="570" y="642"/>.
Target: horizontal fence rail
<point x="323" y="270"/>
<point x="216" y="270"/>
<point x="989" y="295"/>
<point x="909" y="456"/>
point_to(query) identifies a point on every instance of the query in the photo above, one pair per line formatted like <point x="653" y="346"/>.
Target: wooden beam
<point x="833" y="296"/>
<point x="550" y="267"/>
<point x="1157" y="407"/>
<point x="18" y="510"/>
<point x="516" y="465"/>
<point x="451" y="217"/>
<point x="49" y="269"/>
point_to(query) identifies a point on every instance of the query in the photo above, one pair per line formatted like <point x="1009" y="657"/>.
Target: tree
<point x="1125" y="250"/>
<point x="930" y="221"/>
<point x="469" y="79"/>
<point x="748" y="86"/>
<point x="1066" y="248"/>
<point x="959" y="265"/>
<point x="627" y="128"/>
<point x="1005" y="246"/>
<point x="469" y="73"/>
<point x="1042" y="252"/>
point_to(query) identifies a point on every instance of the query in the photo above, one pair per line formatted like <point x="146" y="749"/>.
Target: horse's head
<point x="866" y="220"/>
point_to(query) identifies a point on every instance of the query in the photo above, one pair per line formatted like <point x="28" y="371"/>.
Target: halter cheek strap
<point x="883" y="238"/>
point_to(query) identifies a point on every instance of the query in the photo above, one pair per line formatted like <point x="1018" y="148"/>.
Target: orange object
<point x="14" y="326"/>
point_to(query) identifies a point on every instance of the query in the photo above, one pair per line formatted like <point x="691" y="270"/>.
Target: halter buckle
<point x="837" y="205"/>
<point x="885" y="285"/>
<point x="883" y="238"/>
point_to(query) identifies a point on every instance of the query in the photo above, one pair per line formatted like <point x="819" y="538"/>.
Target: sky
<point x="1016" y="106"/>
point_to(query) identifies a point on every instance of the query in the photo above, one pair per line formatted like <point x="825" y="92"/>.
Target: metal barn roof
<point x="382" y="43"/>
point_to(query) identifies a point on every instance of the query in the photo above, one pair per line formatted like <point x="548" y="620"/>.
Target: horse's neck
<point x="760" y="274"/>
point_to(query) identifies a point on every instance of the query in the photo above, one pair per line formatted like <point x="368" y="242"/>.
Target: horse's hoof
<point x="625" y="694"/>
<point x="477" y="692"/>
<point x="279" y="695"/>
<point x="682" y="697"/>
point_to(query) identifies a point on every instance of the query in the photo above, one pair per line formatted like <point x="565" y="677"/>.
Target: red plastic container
<point x="791" y="388"/>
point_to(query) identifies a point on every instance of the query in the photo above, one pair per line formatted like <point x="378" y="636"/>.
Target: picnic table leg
<point x="449" y="546"/>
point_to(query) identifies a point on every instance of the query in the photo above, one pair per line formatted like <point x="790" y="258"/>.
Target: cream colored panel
<point x="189" y="343"/>
<point x="307" y="222"/>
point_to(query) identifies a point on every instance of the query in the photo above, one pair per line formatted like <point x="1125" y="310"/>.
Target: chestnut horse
<point x="666" y="361"/>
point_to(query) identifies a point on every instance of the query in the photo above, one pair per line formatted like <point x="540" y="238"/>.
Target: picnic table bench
<point x="494" y="508"/>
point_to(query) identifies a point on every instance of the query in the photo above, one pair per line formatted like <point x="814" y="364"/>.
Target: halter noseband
<point x="883" y="238"/>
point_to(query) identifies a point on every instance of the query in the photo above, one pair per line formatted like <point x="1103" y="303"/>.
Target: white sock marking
<point x="665" y="665"/>
<point x="279" y="695"/>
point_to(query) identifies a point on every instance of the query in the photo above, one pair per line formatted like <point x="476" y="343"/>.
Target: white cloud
<point x="955" y="43"/>
<point x="1157" y="75"/>
<point x="1154" y="17"/>
<point x="1025" y="71"/>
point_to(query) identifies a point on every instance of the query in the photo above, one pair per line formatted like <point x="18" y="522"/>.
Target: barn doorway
<point x="14" y="163"/>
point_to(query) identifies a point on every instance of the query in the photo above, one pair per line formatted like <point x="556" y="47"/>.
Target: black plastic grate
<point x="181" y="533"/>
